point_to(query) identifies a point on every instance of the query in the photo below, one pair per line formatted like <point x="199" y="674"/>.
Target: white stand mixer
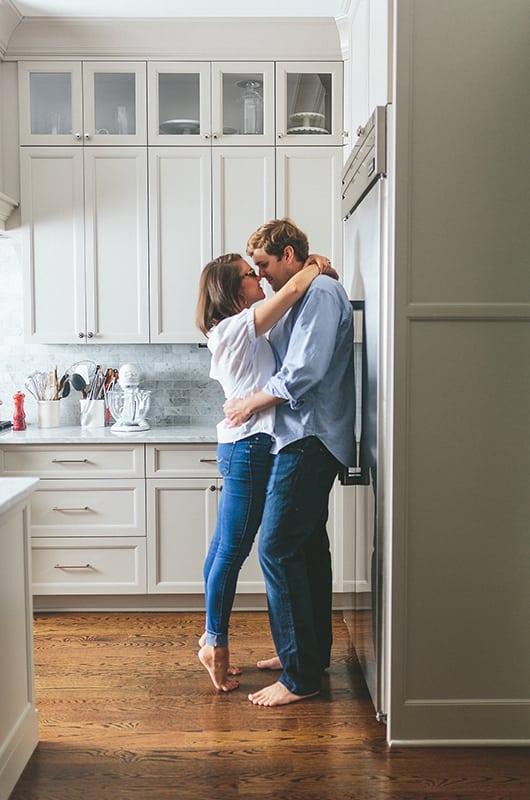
<point x="129" y="404"/>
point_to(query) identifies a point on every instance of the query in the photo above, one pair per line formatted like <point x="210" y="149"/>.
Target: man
<point x="313" y="391"/>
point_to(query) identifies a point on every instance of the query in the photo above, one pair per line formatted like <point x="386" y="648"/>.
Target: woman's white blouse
<point x="242" y="363"/>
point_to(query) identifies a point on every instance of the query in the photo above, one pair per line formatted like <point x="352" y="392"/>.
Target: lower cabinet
<point x="183" y="490"/>
<point x="88" y="528"/>
<point x="126" y="519"/>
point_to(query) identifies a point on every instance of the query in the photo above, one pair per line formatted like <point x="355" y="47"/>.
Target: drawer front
<point x="73" y="461"/>
<point x="89" y="566"/>
<point x="88" y="508"/>
<point x="188" y="461"/>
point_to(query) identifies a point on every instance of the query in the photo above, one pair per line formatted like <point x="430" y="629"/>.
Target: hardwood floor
<point x="128" y="713"/>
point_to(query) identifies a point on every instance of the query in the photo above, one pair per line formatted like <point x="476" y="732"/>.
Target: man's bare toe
<point x="277" y="695"/>
<point x="270" y="663"/>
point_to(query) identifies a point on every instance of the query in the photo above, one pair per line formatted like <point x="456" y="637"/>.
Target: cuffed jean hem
<point x="217" y="640"/>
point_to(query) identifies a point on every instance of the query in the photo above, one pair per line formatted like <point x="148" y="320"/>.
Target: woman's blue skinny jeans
<point x="245" y="467"/>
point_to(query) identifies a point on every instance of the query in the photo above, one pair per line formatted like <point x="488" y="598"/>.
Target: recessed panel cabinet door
<point x="309" y="190"/>
<point x="181" y="516"/>
<point x="116" y="244"/>
<point x="53" y="243"/>
<point x="180" y="238"/>
<point x="243" y="188"/>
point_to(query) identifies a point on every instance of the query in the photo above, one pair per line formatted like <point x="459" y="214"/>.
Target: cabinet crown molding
<point x="301" y="38"/>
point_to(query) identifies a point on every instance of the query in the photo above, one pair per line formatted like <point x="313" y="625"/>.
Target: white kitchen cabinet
<point x="84" y="214"/>
<point x="198" y="103"/>
<point x="243" y="190"/>
<point x="308" y="190"/>
<point x="78" y="103"/>
<point x="190" y="223"/>
<point x="183" y="489"/>
<point x="19" y="724"/>
<point x="309" y="103"/>
<point x="88" y="520"/>
<point x="180" y="238"/>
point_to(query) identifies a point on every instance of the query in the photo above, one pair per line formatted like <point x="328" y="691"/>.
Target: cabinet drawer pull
<point x="207" y="461"/>
<point x="72" y="566"/>
<point x="69" y="460"/>
<point x="70" y="508"/>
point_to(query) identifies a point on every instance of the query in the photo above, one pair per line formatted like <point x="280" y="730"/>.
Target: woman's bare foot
<point x="232" y="670"/>
<point x="276" y="695"/>
<point x="215" y="659"/>
<point x="269" y="663"/>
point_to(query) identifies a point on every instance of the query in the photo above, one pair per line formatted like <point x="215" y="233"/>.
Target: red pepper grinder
<point x="19" y="417"/>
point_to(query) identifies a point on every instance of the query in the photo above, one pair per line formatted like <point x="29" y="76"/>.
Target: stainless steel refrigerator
<point x="364" y="211"/>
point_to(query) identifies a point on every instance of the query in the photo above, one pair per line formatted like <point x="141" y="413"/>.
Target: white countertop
<point x="75" y="434"/>
<point x="13" y="490"/>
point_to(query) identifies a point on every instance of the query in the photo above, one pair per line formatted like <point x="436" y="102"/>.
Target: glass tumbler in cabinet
<point x="50" y="103"/>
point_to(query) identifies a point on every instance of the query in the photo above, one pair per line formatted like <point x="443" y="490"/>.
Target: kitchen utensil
<point x="79" y="383"/>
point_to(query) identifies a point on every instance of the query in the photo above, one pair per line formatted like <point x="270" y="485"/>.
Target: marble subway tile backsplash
<point x="177" y="375"/>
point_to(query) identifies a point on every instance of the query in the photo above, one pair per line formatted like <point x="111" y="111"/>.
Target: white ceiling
<point x="181" y="8"/>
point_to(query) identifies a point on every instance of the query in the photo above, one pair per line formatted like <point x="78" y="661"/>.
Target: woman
<point x="242" y="361"/>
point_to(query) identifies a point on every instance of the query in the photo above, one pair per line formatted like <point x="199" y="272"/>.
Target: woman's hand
<point x="323" y="264"/>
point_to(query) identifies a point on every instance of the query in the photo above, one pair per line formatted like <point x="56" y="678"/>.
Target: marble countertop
<point x="75" y="434"/>
<point x="13" y="490"/>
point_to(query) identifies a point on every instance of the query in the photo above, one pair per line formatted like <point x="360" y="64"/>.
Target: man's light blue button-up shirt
<point x="313" y="344"/>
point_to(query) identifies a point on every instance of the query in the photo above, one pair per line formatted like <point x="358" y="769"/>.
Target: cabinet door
<point x="242" y="103"/>
<point x="180" y="238"/>
<point x="309" y="103"/>
<point x="309" y="191"/>
<point x="181" y="517"/>
<point x="116" y="244"/>
<point x="115" y="103"/>
<point x="243" y="188"/>
<point x="50" y="103"/>
<point x="53" y="243"/>
<point x="179" y="103"/>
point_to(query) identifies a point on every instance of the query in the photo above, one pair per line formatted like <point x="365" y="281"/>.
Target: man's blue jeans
<point x="296" y="562"/>
<point x="245" y="468"/>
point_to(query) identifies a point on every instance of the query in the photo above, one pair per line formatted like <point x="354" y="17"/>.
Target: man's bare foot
<point x="269" y="663"/>
<point x="232" y="670"/>
<point x="215" y="659"/>
<point x="276" y="695"/>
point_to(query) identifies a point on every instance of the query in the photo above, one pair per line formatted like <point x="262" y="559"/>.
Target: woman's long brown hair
<point x="219" y="292"/>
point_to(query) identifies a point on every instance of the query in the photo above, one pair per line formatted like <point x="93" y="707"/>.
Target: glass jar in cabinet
<point x="243" y="103"/>
<point x="309" y="103"/>
<point x="74" y="103"/>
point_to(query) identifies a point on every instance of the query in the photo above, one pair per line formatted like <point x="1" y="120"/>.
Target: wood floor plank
<point x="128" y="713"/>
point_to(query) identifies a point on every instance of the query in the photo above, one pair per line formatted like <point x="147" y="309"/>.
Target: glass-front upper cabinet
<point x="64" y="103"/>
<point x="243" y="103"/>
<point x="179" y="102"/>
<point x="240" y="96"/>
<point x="309" y="103"/>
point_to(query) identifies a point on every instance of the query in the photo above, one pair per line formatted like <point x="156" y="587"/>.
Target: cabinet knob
<point x="213" y="488"/>
<point x="215" y="136"/>
<point x="77" y="135"/>
<point x="90" y="335"/>
<point x="360" y="130"/>
<point x="280" y="136"/>
<point x="206" y="135"/>
<point x="81" y="335"/>
<point x="87" y="136"/>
